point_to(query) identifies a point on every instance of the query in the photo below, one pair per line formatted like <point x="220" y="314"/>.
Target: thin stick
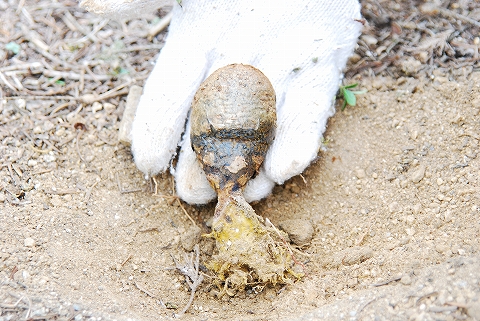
<point x="27" y="315"/>
<point x="395" y="279"/>
<point x="24" y="66"/>
<point x="156" y="185"/>
<point x="119" y="185"/>
<point x="51" y="57"/>
<point x="304" y="180"/>
<point x="89" y="191"/>
<point x="455" y="15"/>
<point x="90" y="72"/>
<point x="366" y="304"/>
<point x="60" y="107"/>
<point x="126" y="260"/>
<point x="185" y="211"/>
<point x="91" y="35"/>
<point x="73" y="75"/>
<point x="82" y="80"/>
<point x="42" y="171"/>
<point x="128" y="191"/>
<point x="78" y="148"/>
<point x="160" y="26"/>
<point x="141" y="48"/>
<point x="192" y="276"/>
<point x="6" y="82"/>
<point x="457" y="304"/>
<point x="17" y="170"/>
<point x="51" y="145"/>
<point x="20" y="6"/>
<point x="145" y="291"/>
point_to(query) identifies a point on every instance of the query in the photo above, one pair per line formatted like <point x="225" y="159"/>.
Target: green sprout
<point x="348" y="95"/>
<point x="60" y="82"/>
<point x="13" y="47"/>
<point x="119" y="71"/>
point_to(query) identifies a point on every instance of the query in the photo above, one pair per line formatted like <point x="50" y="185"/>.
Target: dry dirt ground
<point x="394" y="197"/>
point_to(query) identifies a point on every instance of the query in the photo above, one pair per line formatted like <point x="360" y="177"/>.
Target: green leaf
<point x="359" y="92"/>
<point x="350" y="86"/>
<point x="349" y="97"/>
<point x="13" y="47"/>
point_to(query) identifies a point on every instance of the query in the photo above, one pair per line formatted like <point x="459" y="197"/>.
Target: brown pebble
<point x="299" y="231"/>
<point x="353" y="255"/>
<point x="190" y="238"/>
<point x="473" y="311"/>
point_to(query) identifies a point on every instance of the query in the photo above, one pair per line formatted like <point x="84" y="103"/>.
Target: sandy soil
<point x="394" y="201"/>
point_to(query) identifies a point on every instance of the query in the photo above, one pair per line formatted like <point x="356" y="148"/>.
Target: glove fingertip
<point x="190" y="181"/>
<point x="259" y="187"/>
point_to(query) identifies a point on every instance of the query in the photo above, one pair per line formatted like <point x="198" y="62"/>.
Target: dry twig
<point x="160" y="26"/>
<point x="190" y="270"/>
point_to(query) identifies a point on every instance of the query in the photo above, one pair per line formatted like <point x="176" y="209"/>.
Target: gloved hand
<point x="300" y="45"/>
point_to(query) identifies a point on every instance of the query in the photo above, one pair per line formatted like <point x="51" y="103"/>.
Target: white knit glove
<point x="300" y="45"/>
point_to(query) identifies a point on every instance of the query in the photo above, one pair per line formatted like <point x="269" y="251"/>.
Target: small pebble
<point x="96" y="106"/>
<point x="353" y="255"/>
<point x="32" y="163"/>
<point x="47" y="126"/>
<point x="410" y="66"/>
<point x="25" y="275"/>
<point x="410" y="231"/>
<point x="360" y="173"/>
<point x="473" y="311"/>
<point x="190" y="238"/>
<point x="299" y="231"/>
<point x="37" y="130"/>
<point x="29" y="242"/>
<point x="369" y="40"/>
<point x="417" y="208"/>
<point x="67" y="197"/>
<point x="414" y="134"/>
<point x="21" y="103"/>
<point x="56" y="201"/>
<point x="419" y="174"/>
<point x="442" y="248"/>
<point x="423" y="56"/>
<point x="406" y="280"/>
<point x="109" y="107"/>
<point x="49" y="158"/>
<point x="394" y="207"/>
<point x="60" y="132"/>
